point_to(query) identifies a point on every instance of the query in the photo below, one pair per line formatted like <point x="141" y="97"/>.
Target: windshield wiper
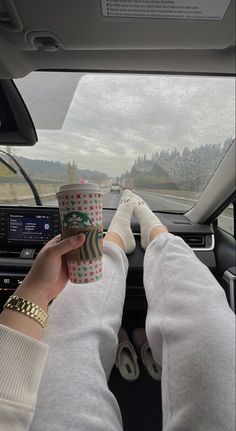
<point x="24" y="174"/>
<point x="4" y="162"/>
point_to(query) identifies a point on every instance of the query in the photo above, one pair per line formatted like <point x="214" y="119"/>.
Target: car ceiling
<point x="73" y="34"/>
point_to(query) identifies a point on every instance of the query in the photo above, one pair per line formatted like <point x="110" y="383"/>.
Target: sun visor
<point x="166" y="9"/>
<point x="48" y="96"/>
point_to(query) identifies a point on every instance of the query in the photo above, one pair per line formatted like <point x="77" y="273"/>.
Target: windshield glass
<point x="161" y="136"/>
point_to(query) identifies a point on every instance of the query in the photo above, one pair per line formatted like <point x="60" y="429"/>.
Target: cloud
<point x="114" y="118"/>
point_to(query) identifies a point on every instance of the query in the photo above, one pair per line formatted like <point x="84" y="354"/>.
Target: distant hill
<point x="54" y="170"/>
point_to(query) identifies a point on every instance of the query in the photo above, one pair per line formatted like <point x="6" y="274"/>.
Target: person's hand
<point x="49" y="275"/>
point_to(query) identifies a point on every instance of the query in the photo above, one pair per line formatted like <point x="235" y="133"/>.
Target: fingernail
<point x="81" y="236"/>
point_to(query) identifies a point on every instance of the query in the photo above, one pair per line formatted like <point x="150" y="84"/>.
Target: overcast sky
<point x="114" y="118"/>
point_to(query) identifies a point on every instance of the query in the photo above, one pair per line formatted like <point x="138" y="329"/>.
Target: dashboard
<point x="25" y="230"/>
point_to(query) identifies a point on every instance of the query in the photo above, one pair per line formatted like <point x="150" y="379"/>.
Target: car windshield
<point x="162" y="136"/>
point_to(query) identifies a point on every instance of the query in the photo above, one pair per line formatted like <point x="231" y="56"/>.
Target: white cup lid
<point x="88" y="187"/>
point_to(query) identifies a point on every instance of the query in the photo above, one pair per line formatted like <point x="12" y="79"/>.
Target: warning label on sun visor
<point x="169" y="9"/>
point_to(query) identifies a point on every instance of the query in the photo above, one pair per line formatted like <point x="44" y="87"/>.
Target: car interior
<point x="103" y="42"/>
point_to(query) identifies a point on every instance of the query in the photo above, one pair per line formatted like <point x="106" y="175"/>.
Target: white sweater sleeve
<point x="22" y="360"/>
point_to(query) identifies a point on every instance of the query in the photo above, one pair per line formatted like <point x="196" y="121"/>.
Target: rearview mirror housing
<point x="16" y="125"/>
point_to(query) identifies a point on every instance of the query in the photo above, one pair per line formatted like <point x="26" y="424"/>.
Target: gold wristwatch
<point x="26" y="307"/>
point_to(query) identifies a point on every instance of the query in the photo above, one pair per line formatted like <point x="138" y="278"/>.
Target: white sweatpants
<point x="190" y="328"/>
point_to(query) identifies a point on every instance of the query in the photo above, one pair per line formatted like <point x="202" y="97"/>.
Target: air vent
<point x="194" y="241"/>
<point x="9" y="17"/>
<point x="9" y="254"/>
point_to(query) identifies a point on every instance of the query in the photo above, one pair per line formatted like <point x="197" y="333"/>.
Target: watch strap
<point x="26" y="307"/>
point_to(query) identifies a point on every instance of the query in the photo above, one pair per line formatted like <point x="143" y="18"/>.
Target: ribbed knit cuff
<point x="22" y="360"/>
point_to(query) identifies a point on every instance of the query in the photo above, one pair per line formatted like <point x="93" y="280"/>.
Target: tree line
<point x="190" y="169"/>
<point x="53" y="170"/>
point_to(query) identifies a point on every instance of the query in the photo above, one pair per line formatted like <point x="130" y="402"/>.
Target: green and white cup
<point x="80" y="207"/>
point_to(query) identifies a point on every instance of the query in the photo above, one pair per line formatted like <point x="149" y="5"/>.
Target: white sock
<point x="147" y="219"/>
<point x="120" y="223"/>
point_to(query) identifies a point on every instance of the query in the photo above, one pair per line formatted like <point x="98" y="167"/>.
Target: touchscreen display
<point x="30" y="227"/>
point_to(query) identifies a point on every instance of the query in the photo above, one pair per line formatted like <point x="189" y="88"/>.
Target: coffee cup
<point x="80" y="207"/>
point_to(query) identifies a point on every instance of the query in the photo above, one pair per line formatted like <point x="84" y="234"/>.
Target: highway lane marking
<point x="159" y="196"/>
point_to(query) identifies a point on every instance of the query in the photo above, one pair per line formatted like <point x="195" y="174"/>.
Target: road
<point x="156" y="201"/>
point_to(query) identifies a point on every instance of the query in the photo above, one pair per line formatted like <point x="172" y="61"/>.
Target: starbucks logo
<point x="77" y="219"/>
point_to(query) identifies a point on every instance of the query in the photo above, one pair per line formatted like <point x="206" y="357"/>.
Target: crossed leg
<point x="191" y="331"/>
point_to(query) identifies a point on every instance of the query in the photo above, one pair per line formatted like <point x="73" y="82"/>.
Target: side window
<point x="226" y="219"/>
